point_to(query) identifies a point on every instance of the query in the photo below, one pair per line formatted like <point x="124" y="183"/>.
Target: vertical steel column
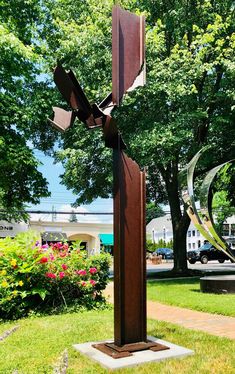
<point x="129" y="251"/>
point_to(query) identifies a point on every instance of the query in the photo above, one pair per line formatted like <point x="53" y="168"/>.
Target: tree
<point x="188" y="100"/>
<point x="223" y="202"/>
<point x="73" y="217"/>
<point x="153" y="211"/>
<point x="23" y="105"/>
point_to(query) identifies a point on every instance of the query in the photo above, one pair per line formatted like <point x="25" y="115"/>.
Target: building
<point x="92" y="235"/>
<point x="12" y="229"/>
<point x="161" y="229"/>
<point x="229" y="227"/>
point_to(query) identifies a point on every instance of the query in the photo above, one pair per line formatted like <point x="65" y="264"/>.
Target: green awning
<point x="106" y="239"/>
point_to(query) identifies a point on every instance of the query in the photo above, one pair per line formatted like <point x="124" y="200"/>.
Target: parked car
<point x="166" y="253"/>
<point x="206" y="253"/>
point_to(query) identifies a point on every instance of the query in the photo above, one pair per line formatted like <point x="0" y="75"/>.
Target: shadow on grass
<point x="154" y="282"/>
<point x="190" y="273"/>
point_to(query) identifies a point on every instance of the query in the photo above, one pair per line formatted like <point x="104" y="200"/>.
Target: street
<point x="210" y="266"/>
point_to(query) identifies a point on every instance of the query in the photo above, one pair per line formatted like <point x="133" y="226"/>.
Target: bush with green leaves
<point x="36" y="277"/>
<point x="151" y="247"/>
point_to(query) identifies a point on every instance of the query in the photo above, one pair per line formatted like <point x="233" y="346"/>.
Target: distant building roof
<point x="159" y="223"/>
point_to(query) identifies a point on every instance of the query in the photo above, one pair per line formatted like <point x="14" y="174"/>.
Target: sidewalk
<point x="211" y="323"/>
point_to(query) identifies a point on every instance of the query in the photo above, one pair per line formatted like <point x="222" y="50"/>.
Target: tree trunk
<point x="180" y="244"/>
<point x="180" y="221"/>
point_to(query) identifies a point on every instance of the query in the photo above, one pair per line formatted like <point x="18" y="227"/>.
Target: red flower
<point x="92" y="282"/>
<point x="50" y="275"/>
<point x="81" y="272"/>
<point x="93" y="270"/>
<point x="61" y="274"/>
<point x="64" y="266"/>
<point x="43" y="260"/>
<point x="83" y="283"/>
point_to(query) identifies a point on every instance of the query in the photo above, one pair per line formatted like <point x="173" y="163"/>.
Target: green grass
<point x="37" y="345"/>
<point x="186" y="293"/>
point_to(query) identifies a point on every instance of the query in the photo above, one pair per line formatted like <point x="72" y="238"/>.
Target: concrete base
<point x="138" y="358"/>
<point x="218" y="284"/>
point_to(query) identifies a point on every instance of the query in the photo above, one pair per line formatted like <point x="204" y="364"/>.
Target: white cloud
<point x="83" y="218"/>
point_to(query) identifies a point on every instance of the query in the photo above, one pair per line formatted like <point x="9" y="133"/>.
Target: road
<point x="210" y="266"/>
<point x="227" y="266"/>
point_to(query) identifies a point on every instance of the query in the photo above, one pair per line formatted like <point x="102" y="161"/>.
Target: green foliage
<point x="188" y="100"/>
<point x="24" y="99"/>
<point x="223" y="202"/>
<point x="153" y="211"/>
<point x="34" y="277"/>
<point x="151" y="247"/>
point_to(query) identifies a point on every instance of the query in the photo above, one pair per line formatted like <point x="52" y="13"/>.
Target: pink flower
<point x="43" y="260"/>
<point x="92" y="282"/>
<point x="44" y="246"/>
<point x="51" y="275"/>
<point x="63" y="254"/>
<point x="52" y="257"/>
<point x="83" y="283"/>
<point x="64" y="266"/>
<point x="81" y="272"/>
<point x="61" y="274"/>
<point x="93" y="270"/>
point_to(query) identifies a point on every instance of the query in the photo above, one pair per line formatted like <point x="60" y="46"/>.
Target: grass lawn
<point x="186" y="293"/>
<point x="39" y="342"/>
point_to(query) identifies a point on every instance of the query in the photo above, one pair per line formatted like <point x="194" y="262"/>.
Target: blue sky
<point x="61" y="198"/>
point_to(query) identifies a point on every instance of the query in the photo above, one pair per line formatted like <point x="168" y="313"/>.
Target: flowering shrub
<point x="35" y="277"/>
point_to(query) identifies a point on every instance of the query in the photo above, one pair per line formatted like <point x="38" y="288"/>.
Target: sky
<point x="61" y="198"/>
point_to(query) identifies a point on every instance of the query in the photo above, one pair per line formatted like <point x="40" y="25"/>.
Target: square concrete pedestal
<point x="138" y="358"/>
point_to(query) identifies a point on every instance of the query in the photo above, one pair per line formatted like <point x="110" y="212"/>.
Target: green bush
<point x="38" y="278"/>
<point x="151" y="247"/>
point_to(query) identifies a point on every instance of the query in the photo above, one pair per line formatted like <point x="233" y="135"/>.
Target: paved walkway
<point x="211" y="323"/>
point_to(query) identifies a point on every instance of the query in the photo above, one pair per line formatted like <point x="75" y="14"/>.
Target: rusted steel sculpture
<point x="128" y="52"/>
<point x="202" y="218"/>
<point x="129" y="182"/>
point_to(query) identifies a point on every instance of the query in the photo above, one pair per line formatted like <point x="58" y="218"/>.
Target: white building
<point x="12" y="229"/>
<point x="91" y="234"/>
<point x="161" y="228"/>
<point x="229" y="227"/>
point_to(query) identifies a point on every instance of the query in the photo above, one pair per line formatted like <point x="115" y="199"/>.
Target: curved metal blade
<point x="206" y="209"/>
<point x="186" y="176"/>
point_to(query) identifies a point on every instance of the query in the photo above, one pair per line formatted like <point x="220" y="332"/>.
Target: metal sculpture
<point x="128" y="52"/>
<point x="202" y="218"/>
<point x="129" y="182"/>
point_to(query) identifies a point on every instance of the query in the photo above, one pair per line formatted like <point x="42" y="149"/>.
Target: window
<point x="193" y="245"/>
<point x="189" y="245"/>
<point x="189" y="234"/>
<point x="193" y="232"/>
<point x="198" y="233"/>
<point x="233" y="229"/>
<point x="225" y="229"/>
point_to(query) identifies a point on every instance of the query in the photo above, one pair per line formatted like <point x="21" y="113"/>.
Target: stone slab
<point x="138" y="358"/>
